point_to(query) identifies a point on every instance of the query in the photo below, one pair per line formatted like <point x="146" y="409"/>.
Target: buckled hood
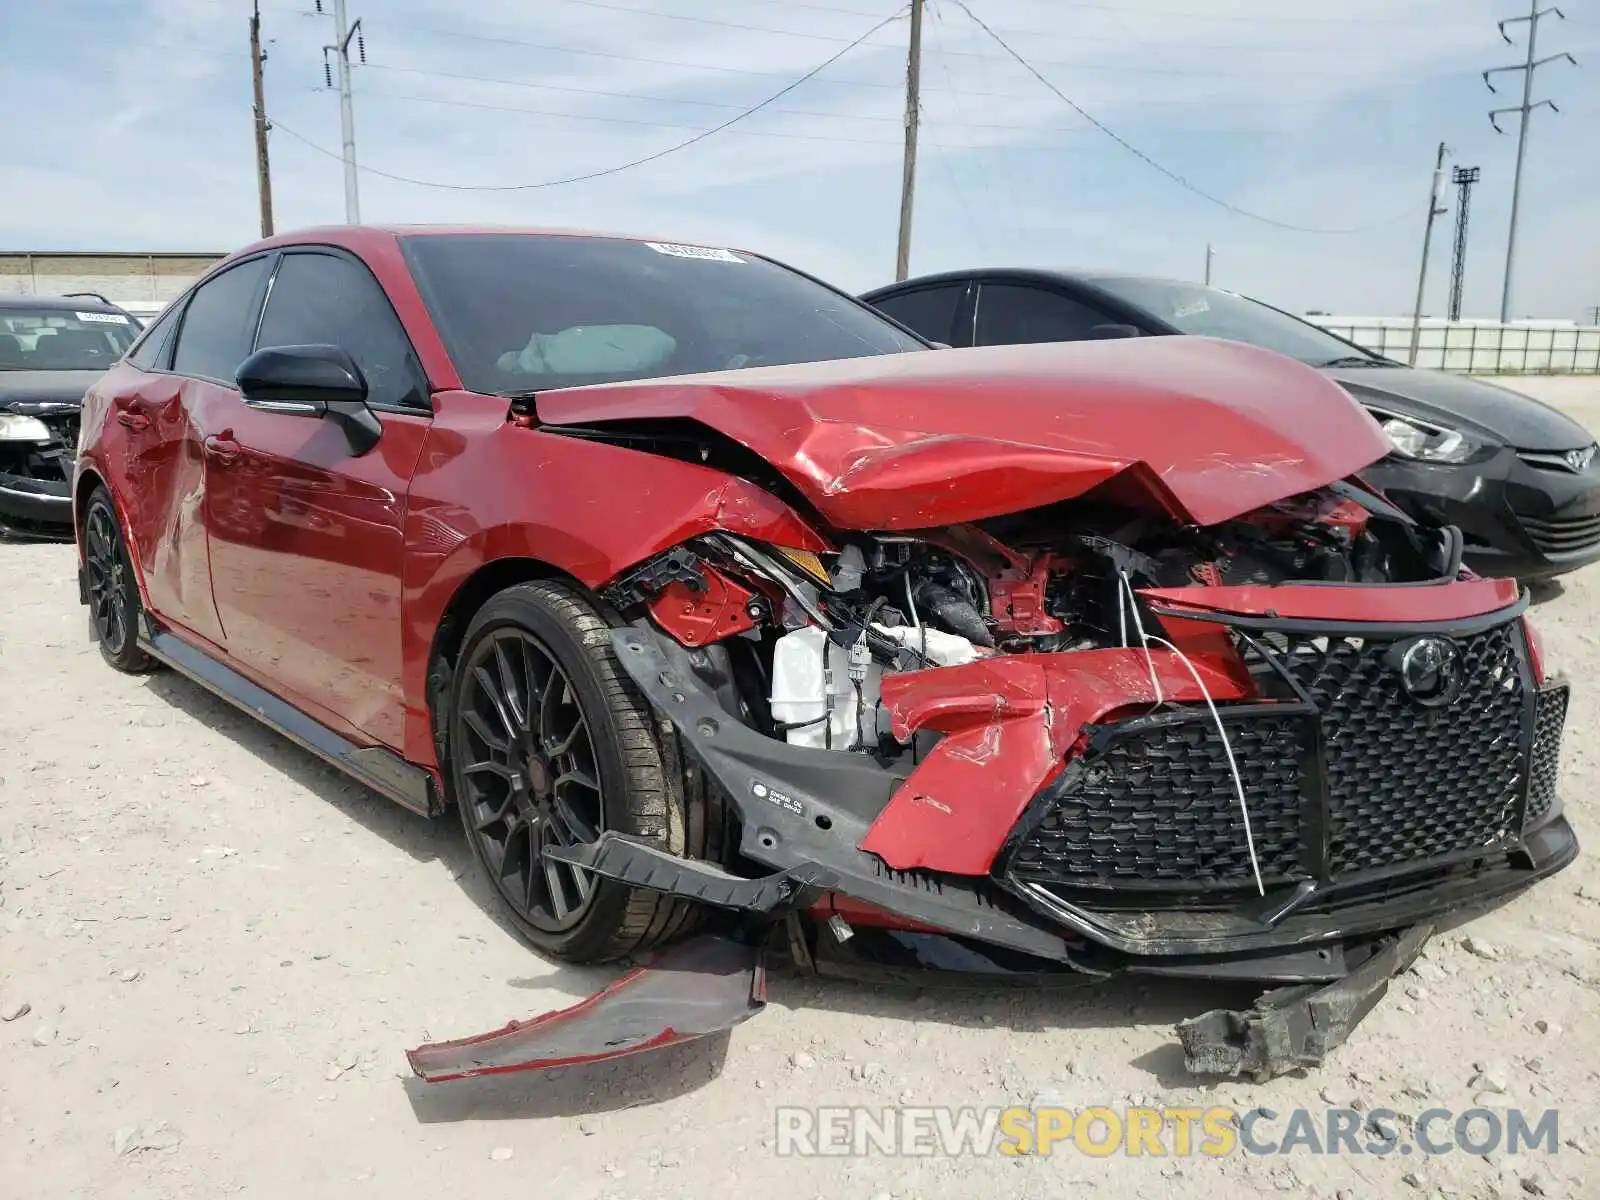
<point x="1209" y="429"/>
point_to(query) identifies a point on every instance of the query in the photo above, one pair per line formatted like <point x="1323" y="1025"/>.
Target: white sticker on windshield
<point x="1192" y="309"/>
<point x="710" y="253"/>
<point x="102" y="318"/>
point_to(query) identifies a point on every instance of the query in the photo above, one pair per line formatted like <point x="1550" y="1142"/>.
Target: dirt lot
<point x="225" y="948"/>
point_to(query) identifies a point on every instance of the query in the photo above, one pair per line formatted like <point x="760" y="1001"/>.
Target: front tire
<point x="548" y="743"/>
<point x="114" y="605"/>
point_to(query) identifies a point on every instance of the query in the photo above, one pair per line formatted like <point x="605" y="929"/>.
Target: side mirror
<point x="1103" y="332"/>
<point x="311" y="381"/>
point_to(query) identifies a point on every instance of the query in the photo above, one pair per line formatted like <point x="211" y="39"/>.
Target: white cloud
<point x="1324" y="118"/>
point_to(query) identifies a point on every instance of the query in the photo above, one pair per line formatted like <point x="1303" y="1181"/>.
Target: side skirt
<point x="381" y="770"/>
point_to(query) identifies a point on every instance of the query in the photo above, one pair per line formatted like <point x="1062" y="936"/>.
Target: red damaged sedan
<point x="711" y="599"/>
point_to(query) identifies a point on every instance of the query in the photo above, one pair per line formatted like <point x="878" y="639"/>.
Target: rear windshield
<point x="61" y="339"/>
<point x="528" y="312"/>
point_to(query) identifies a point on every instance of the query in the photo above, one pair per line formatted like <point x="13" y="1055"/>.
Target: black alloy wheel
<point x="114" y="604"/>
<point x="548" y="743"/>
<point x="530" y="777"/>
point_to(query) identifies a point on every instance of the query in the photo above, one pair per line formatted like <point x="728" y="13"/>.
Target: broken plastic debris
<point x="1294" y="1027"/>
<point x="701" y="987"/>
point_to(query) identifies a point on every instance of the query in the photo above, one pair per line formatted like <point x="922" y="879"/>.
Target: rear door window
<point x="931" y="311"/>
<point x="219" y="326"/>
<point x="1010" y="314"/>
<point x="150" y="352"/>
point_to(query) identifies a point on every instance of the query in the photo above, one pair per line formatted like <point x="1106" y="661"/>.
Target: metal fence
<point x="1478" y="347"/>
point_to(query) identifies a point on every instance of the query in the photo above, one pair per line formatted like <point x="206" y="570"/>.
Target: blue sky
<point x="129" y="127"/>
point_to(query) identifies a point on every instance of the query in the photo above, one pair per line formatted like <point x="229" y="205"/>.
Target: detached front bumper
<point x="1131" y="855"/>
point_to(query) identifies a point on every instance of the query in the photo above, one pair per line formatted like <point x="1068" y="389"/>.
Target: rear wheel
<point x="549" y="745"/>
<point x="114" y="605"/>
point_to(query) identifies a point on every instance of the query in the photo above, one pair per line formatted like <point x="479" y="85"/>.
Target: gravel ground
<point x="224" y="949"/>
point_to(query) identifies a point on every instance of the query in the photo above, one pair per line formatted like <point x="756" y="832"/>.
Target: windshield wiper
<point x="1357" y="360"/>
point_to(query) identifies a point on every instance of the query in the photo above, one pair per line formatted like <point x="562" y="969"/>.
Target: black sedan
<point x="1519" y="478"/>
<point x="51" y="349"/>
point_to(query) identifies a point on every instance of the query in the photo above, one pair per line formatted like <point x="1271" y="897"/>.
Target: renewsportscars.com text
<point x="1103" y="1130"/>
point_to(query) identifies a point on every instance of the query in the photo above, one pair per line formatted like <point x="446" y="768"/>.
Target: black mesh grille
<point x="1374" y="781"/>
<point x="1407" y="783"/>
<point x="1544" y="767"/>
<point x="1158" y="804"/>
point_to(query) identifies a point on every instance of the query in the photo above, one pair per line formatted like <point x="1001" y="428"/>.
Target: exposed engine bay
<point x="815" y="639"/>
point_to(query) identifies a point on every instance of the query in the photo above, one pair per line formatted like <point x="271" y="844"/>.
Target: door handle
<point x="133" y="420"/>
<point x="223" y="451"/>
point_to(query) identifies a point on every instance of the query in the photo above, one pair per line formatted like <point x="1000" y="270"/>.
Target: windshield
<point x="62" y="339"/>
<point x="528" y="312"/>
<point x="1208" y="312"/>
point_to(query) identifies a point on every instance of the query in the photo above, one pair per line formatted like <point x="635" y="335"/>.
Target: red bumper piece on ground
<point x="697" y="988"/>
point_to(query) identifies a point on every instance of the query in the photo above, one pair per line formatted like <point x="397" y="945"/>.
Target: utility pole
<point x="1463" y="178"/>
<point x="1594" y="315"/>
<point x="263" y="166"/>
<point x="1434" y="211"/>
<point x="908" y="177"/>
<point x="1528" y="66"/>
<point x="1210" y="254"/>
<point x="343" y="35"/>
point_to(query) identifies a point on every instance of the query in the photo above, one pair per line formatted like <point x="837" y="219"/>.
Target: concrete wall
<point x="141" y="281"/>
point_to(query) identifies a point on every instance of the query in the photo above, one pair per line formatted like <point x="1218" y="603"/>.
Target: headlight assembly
<point x="17" y="428"/>
<point x="1426" y="442"/>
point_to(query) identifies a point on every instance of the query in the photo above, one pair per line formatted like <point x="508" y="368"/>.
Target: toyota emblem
<point x="1579" y="460"/>
<point x="1429" y="670"/>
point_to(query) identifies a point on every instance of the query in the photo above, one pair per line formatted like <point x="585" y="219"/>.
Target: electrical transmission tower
<point x="1463" y="178"/>
<point x="1528" y="66"/>
<point x="343" y="35"/>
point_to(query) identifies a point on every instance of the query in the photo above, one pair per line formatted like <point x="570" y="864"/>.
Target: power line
<point x="1257" y="19"/>
<point x="824" y="37"/>
<point x="814" y="137"/>
<point x="1267" y="18"/>
<point x="667" y="62"/>
<point x="539" y="112"/>
<point x="669" y="16"/>
<point x="638" y="162"/>
<point x="582" y="91"/>
<point x="983" y="175"/>
<point x="658" y="62"/>
<point x="854" y="12"/>
<point x="1141" y="155"/>
<point x="610" y="94"/>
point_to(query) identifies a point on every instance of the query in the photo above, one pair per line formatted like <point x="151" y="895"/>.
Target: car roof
<point x="63" y="303"/>
<point x="357" y="236"/>
<point x="1089" y="276"/>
